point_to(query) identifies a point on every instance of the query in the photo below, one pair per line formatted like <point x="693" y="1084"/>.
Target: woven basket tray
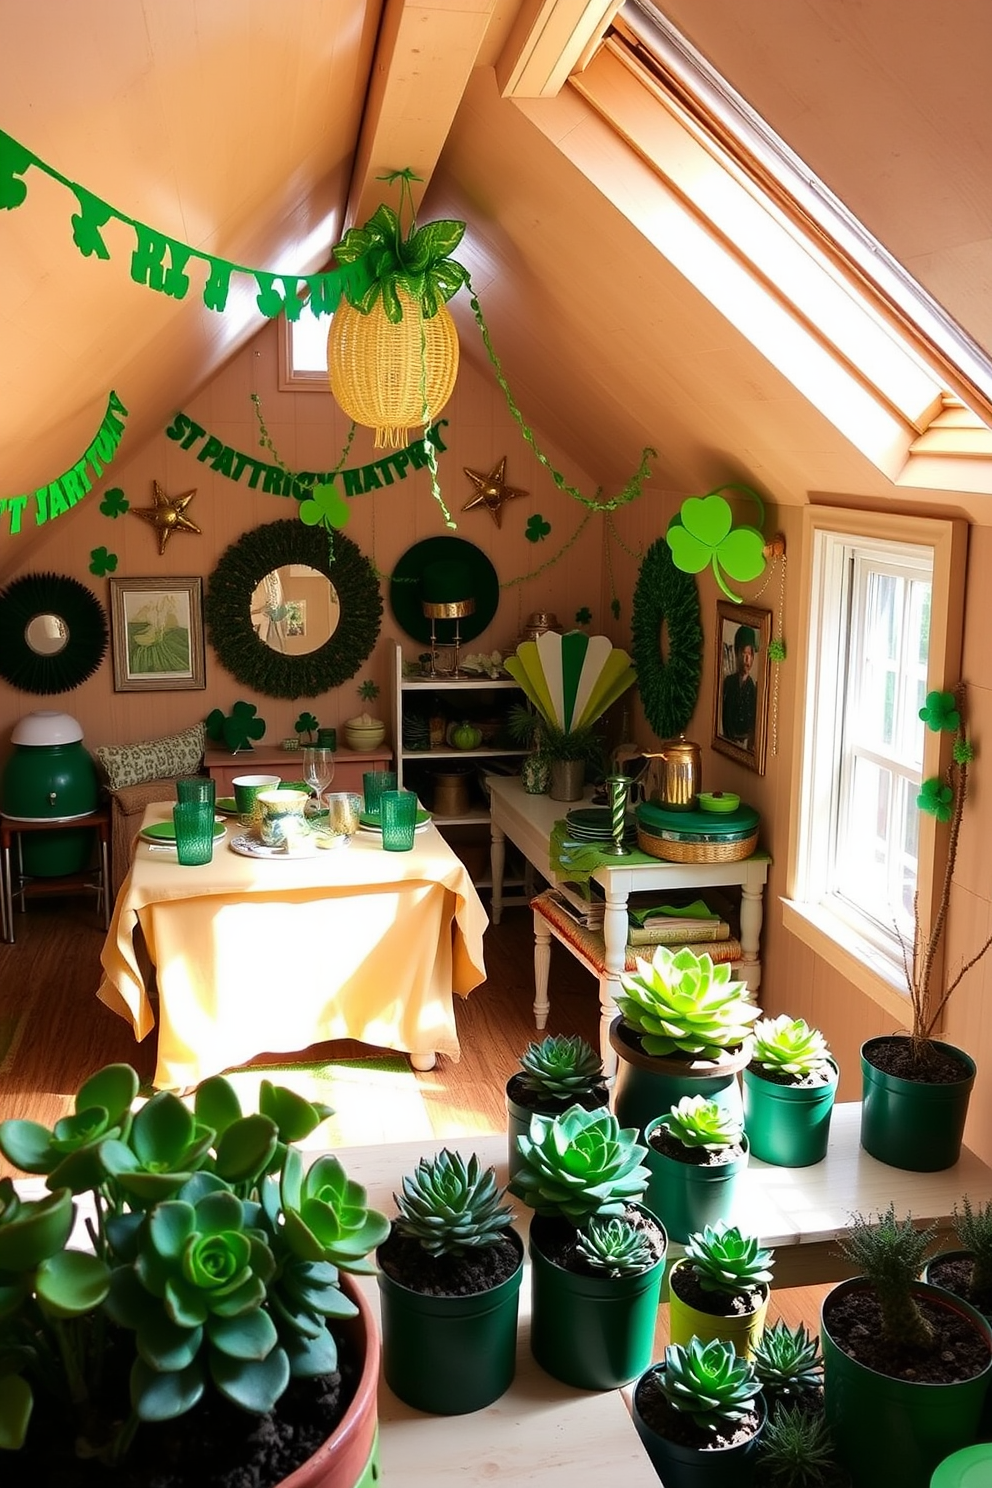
<point x="695" y="852"/>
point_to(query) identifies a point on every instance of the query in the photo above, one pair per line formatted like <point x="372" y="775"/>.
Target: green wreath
<point x="227" y="610"/>
<point x="83" y="625"/>
<point x="665" y="596"/>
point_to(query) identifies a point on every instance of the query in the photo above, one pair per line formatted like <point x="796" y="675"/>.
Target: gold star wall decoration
<point x="492" y="491"/>
<point x="168" y="515"/>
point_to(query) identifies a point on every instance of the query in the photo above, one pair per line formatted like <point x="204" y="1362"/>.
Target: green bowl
<point x="718" y="801"/>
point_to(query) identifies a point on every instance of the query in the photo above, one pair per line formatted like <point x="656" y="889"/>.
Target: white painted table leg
<point x="752" y="911"/>
<point x="497" y="859"/>
<point x="423" y="1061"/>
<point x="542" y="967"/>
<point x="615" y="956"/>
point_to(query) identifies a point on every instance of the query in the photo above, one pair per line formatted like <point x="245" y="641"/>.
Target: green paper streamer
<point x="72" y="485"/>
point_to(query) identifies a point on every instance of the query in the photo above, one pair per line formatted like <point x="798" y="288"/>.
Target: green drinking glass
<point x="398" y="813"/>
<point x="374" y="782"/>
<point x="196" y="788"/>
<point x="194" y="824"/>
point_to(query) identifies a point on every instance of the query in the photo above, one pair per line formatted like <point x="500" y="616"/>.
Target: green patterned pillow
<point x="155" y="759"/>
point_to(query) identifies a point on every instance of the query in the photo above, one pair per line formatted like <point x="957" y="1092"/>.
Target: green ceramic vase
<point x="649" y="1085"/>
<point x="596" y="1333"/>
<point x="788" y="1125"/>
<point x="454" y="1354"/>
<point x="912" y="1124"/>
<point x="689" y="1196"/>
<point x="742" y="1329"/>
<point x="889" y="1430"/>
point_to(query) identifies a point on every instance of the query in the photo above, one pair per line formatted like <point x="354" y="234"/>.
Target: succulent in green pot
<point x="556" y="1072"/>
<point x="787" y="1362"/>
<point x="701" y="1125"/>
<point x="697" y="1154"/>
<point x="797" y="1451"/>
<point x="213" y="1270"/>
<point x="789" y="1090"/>
<point x="702" y="1400"/>
<point x="449" y="1283"/>
<point x="787" y="1049"/>
<point x="967" y="1271"/>
<point x="720" y="1287"/>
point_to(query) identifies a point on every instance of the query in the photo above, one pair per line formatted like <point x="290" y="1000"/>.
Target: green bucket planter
<point x="788" y="1125"/>
<point x="681" y="1466"/>
<point x="690" y="1196"/>
<point x="518" y="1117"/>
<point x="895" y="1430"/>
<point x="450" y="1355"/>
<point x="596" y="1333"/>
<point x="649" y="1085"/>
<point x="913" y="1124"/>
<point x="742" y="1329"/>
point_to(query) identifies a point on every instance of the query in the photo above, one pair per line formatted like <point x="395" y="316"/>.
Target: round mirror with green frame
<point x="53" y="633"/>
<point x="233" y="630"/>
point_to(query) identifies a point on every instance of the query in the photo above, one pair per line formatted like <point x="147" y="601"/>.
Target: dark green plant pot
<point x="596" y="1333"/>
<point x="688" y="1195"/>
<point x="680" y="1466"/>
<point x="518" y="1118"/>
<point x="896" y="1430"/>
<point x="788" y="1125"/>
<point x="912" y="1124"/>
<point x="450" y="1355"/>
<point x="649" y="1085"/>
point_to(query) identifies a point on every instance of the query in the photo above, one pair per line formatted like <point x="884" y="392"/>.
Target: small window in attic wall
<point x="303" y="353"/>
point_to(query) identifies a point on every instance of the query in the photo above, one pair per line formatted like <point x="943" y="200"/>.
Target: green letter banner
<point x="72" y="485"/>
<point x="161" y="262"/>
<point x="277" y="481"/>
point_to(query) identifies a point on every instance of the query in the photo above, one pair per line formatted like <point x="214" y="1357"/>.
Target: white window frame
<point x="292" y="379"/>
<point x="873" y="962"/>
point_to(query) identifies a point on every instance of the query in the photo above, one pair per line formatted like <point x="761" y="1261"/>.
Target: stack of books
<point x="658" y="926"/>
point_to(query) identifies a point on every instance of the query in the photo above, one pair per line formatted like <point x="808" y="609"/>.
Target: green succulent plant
<point x="890" y="1253"/>
<point x="724" y="1260"/>
<point x="796" y="1450"/>
<point x="709" y="1382"/>
<point x="974" y="1229"/>
<point x="615" y="1247"/>
<point x="212" y="1248"/>
<point x="578" y="1165"/>
<point x="698" y="1122"/>
<point x="787" y="1362"/>
<point x="680" y="1003"/>
<point x="451" y="1206"/>
<point x="560" y="1066"/>
<point x="788" y="1046"/>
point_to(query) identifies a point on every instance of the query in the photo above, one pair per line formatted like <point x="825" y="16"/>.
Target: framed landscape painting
<point x="157" y="627"/>
<point x="740" y="696"/>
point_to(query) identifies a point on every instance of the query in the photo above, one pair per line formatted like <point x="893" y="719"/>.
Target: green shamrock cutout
<point x="114" y="503"/>
<point x="583" y="616"/>
<point x="306" y="724"/>
<point x="102" y="562"/>
<point x="326" y="507"/>
<point x="537" y="528"/>
<point x="936" y="798"/>
<point x="238" y="729"/>
<point x="940" y="713"/>
<point x="87" y="222"/>
<point x="703" y="535"/>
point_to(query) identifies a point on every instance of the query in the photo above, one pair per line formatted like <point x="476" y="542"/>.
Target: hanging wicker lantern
<point x="392" y="377"/>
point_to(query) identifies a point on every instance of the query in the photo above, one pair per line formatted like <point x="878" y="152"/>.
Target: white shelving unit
<point x="405" y="694"/>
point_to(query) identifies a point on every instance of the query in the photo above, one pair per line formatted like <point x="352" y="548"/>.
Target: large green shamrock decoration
<point x="940" y="712"/>
<point x="703" y="535"/>
<point x="238" y="729"/>
<point x="420" y="263"/>
<point x="306" y="724"/>
<point x="102" y="562"/>
<point x="114" y="503"/>
<point x="325" y="507"/>
<point x="937" y="799"/>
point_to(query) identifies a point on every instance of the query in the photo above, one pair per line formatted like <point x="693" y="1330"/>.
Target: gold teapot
<point x="672" y="774"/>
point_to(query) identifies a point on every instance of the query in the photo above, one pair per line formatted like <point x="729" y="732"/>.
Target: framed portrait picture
<point x="157" y="628"/>
<point x="740" y="695"/>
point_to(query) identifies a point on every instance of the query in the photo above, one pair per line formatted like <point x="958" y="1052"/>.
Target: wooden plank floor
<point x="48" y="979"/>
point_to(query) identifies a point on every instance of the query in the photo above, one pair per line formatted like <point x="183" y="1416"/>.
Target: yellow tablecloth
<point x="255" y="955"/>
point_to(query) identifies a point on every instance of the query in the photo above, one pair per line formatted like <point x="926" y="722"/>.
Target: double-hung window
<point x="883" y="629"/>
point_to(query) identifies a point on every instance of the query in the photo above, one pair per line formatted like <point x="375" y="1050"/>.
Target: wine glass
<point x="318" y="771"/>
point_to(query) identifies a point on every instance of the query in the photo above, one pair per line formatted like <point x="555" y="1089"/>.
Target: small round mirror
<point x="46" y="635"/>
<point x="295" y="609"/>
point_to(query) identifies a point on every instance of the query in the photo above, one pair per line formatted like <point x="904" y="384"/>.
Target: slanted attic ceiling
<point x="233" y="125"/>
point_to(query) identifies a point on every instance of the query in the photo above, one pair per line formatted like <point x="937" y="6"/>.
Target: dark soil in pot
<point x="215" y="1445"/>
<point x="678" y="1426"/>
<point x="532" y="1100"/>
<point x="958" y="1351"/>
<point x="682" y="1280"/>
<point x="812" y="1081"/>
<point x="662" y="1140"/>
<point x="409" y="1264"/>
<point x="894" y="1056"/>
<point x="954" y="1275"/>
<point x="557" y="1239"/>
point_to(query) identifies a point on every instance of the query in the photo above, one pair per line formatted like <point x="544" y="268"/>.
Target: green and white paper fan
<point x="571" y="679"/>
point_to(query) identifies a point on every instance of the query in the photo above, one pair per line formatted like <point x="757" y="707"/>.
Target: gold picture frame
<point x="157" y="629"/>
<point x="740" y="692"/>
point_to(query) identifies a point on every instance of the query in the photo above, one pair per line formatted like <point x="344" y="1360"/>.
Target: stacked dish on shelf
<point x="593" y="824"/>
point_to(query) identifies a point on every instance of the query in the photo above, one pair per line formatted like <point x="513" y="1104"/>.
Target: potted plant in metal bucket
<point x="916" y="1088"/>
<point x="700" y="1415"/>
<point x="597" y="1255"/>
<point x="719" y="1288"/>
<point x="789" y="1089"/>
<point x="696" y="1154"/>
<point x="561" y="1070"/>
<point x="684" y="1028"/>
<point x="906" y="1365"/>
<point x="208" y="1324"/>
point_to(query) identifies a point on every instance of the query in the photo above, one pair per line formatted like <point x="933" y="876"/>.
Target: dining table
<point x="252" y="954"/>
